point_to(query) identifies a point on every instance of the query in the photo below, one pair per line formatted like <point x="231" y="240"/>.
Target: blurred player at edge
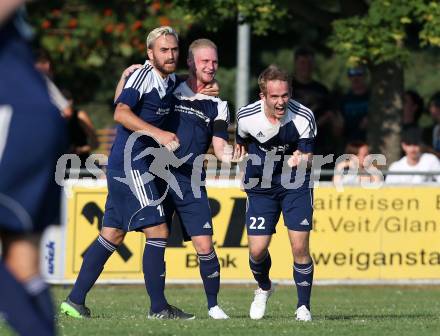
<point x="278" y="124"/>
<point x="31" y="140"/>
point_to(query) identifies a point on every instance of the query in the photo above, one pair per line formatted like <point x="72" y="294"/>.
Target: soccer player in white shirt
<point x="278" y="125"/>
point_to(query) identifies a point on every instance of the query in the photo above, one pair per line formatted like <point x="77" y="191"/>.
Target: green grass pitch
<point x="337" y="310"/>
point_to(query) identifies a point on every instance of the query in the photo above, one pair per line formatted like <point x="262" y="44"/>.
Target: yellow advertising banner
<point x="363" y="234"/>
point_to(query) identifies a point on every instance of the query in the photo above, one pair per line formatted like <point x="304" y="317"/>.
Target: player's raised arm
<point x="222" y="150"/>
<point x="125" y="116"/>
<point x="212" y="89"/>
<point x="125" y="74"/>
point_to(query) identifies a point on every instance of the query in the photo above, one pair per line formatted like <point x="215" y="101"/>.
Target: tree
<point x="380" y="40"/>
<point x="95" y="40"/>
<point x="91" y="41"/>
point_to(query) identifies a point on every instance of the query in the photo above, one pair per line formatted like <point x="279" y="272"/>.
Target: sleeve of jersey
<point x="306" y="126"/>
<point x="240" y="134"/>
<point x="135" y="87"/>
<point x="221" y="122"/>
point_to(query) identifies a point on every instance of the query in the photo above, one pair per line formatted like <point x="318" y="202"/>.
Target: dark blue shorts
<point x="263" y="210"/>
<point x="32" y="138"/>
<point x="133" y="204"/>
<point x="194" y="212"/>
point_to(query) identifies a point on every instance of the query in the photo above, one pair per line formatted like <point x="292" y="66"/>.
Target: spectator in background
<point x="306" y="90"/>
<point x="358" y="151"/>
<point x="431" y="134"/>
<point x="354" y="106"/>
<point x="82" y="135"/>
<point x="315" y="96"/>
<point x="412" y="109"/>
<point x="43" y="63"/>
<point x="413" y="161"/>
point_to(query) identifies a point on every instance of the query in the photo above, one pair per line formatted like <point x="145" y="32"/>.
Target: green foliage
<point x="381" y="35"/>
<point x="89" y="35"/>
<point x="430" y="14"/>
<point x="226" y="79"/>
<point x="282" y="57"/>
<point x="261" y="14"/>
<point x="421" y="75"/>
<point x="329" y="70"/>
<point x="92" y="42"/>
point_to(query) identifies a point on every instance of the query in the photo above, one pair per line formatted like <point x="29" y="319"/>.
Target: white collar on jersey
<point x="283" y="121"/>
<point x="183" y="91"/>
<point x="162" y="80"/>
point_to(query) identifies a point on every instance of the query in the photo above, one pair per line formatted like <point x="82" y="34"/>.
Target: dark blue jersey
<point x="296" y="130"/>
<point x="149" y="97"/>
<point x="195" y="119"/>
<point x="31" y="138"/>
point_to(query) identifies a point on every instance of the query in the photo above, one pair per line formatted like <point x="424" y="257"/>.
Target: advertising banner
<point x="386" y="234"/>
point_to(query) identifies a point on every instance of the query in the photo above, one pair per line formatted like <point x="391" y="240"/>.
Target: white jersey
<point x="296" y="130"/>
<point x="428" y="162"/>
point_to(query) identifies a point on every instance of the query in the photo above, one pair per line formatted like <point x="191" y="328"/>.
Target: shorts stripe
<point x="5" y="120"/>
<point x="137" y="189"/>
<point x="142" y="187"/>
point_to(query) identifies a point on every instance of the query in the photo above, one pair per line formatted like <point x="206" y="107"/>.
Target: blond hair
<point x="272" y="72"/>
<point x="200" y="43"/>
<point x="158" y="32"/>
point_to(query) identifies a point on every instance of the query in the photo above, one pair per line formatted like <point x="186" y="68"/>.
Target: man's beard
<point x="162" y="69"/>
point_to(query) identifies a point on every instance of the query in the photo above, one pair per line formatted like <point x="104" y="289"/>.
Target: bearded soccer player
<point x="143" y="105"/>
<point x="277" y="127"/>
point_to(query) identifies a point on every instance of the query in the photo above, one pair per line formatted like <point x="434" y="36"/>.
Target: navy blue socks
<point x="154" y="272"/>
<point x="210" y="273"/>
<point x="260" y="269"/>
<point x="21" y="309"/>
<point x="40" y="296"/>
<point x="303" y="276"/>
<point x="92" y="266"/>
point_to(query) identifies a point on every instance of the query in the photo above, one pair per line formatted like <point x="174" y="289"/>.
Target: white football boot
<point x="217" y="313"/>
<point x="303" y="314"/>
<point x="258" y="306"/>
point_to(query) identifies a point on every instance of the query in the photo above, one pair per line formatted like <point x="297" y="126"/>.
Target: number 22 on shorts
<point x="257" y="223"/>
